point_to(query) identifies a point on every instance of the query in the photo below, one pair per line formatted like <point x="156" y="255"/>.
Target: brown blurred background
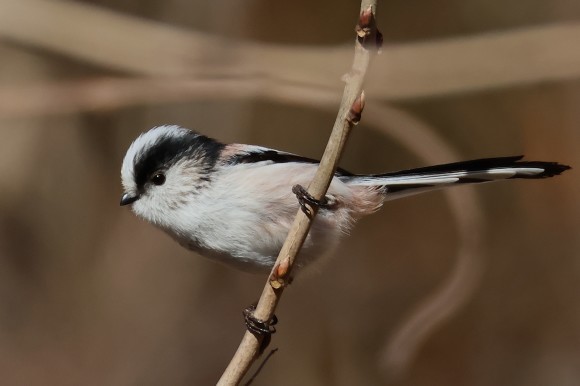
<point x="476" y="287"/>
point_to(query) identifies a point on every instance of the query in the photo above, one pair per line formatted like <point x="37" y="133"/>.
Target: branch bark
<point x="349" y="112"/>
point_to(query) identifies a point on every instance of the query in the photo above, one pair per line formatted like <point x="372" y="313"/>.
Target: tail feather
<point x="413" y="181"/>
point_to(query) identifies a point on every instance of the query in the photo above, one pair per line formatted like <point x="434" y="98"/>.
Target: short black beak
<point x="128" y="199"/>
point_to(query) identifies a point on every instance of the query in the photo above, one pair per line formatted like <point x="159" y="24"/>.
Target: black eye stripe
<point x="168" y="150"/>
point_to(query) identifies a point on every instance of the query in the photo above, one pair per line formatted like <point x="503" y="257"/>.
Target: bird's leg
<point x="304" y="198"/>
<point x="260" y="328"/>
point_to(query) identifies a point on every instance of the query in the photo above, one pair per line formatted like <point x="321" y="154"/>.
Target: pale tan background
<point x="90" y="295"/>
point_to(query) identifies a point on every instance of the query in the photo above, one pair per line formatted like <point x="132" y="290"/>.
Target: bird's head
<point x="164" y="169"/>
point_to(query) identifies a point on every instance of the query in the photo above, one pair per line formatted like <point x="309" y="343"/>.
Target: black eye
<point x="158" y="179"/>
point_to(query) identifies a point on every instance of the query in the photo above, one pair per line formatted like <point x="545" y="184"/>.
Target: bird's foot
<point x="306" y="200"/>
<point x="260" y="328"/>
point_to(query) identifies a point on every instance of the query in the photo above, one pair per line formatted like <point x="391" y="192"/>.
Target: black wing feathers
<point x="261" y="155"/>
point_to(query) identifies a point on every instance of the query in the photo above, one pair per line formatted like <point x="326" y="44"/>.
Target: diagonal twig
<point x="349" y="113"/>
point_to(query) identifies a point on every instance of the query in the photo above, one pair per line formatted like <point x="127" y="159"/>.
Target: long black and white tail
<point x="413" y="181"/>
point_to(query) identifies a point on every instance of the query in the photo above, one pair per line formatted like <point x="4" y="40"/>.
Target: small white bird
<point x="234" y="203"/>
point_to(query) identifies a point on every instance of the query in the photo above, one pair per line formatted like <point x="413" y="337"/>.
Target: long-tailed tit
<point x="234" y="203"/>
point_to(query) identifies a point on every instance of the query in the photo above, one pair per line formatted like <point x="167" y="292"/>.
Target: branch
<point x="349" y="113"/>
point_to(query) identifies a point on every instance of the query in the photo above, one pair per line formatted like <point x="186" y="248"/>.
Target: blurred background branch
<point x="141" y="47"/>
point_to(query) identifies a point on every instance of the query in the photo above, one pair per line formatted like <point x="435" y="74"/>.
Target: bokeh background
<point x="474" y="287"/>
